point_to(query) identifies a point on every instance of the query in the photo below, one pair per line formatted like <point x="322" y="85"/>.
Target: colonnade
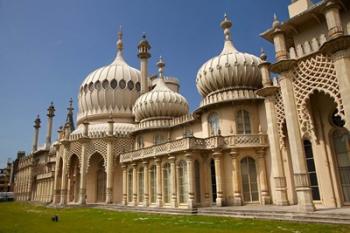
<point x="43" y="191"/>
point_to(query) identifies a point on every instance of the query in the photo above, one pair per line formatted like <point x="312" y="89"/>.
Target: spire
<point x="263" y="55"/>
<point x="51" y="110"/>
<point x="69" y="118"/>
<point x="161" y="65"/>
<point x="275" y="22"/>
<point x="226" y="25"/>
<point x="120" y="45"/>
<point x="37" y="122"/>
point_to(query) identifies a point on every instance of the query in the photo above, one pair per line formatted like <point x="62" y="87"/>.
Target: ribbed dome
<point x="110" y="90"/>
<point x="231" y="69"/>
<point x="160" y="102"/>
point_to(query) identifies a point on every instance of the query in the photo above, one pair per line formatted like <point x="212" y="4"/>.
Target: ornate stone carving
<point x="315" y="73"/>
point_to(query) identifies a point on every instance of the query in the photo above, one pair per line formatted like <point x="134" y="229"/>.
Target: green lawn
<point x="27" y="218"/>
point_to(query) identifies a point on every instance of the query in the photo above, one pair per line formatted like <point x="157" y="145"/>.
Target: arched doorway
<point x="73" y="179"/>
<point x="213" y="181"/>
<point x="96" y="179"/>
<point x="341" y="145"/>
<point x="249" y="180"/>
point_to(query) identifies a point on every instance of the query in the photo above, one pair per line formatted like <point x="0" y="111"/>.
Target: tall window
<point x="141" y="180"/>
<point x="249" y="180"/>
<point x="158" y="139"/>
<point x="153" y="183"/>
<point x="197" y="181"/>
<point x="243" y="122"/>
<point x="139" y="142"/>
<point x="130" y="185"/>
<point x="166" y="183"/>
<point x="183" y="193"/>
<point x="309" y="156"/>
<point x="342" y="150"/>
<point x="214" y="125"/>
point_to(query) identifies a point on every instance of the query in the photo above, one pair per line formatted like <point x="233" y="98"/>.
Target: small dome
<point x="161" y="102"/>
<point x="229" y="70"/>
<point x="110" y="90"/>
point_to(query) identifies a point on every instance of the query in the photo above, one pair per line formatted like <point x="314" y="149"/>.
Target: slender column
<point x="218" y="171"/>
<point x="264" y="189"/>
<point x="237" y="198"/>
<point x="342" y="66"/>
<point x="269" y="91"/>
<point x="36" y="133"/>
<point x="125" y="201"/>
<point x="301" y="179"/>
<point x="145" y="184"/>
<point x="50" y="115"/>
<point x="173" y="181"/>
<point x="189" y="161"/>
<point x="143" y="54"/>
<point x="64" y="177"/>
<point x="134" y="184"/>
<point x="82" y="183"/>
<point x="159" y="182"/>
<point x="280" y="194"/>
<point x="109" y="171"/>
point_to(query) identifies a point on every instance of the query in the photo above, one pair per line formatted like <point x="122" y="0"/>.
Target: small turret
<point x="143" y="54"/>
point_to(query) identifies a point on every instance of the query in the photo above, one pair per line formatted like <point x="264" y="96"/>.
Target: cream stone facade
<point x="254" y="139"/>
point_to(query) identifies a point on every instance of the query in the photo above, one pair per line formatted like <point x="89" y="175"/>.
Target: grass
<point x="18" y="217"/>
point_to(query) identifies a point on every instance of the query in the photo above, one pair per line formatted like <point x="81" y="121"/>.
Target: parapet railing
<point x="193" y="143"/>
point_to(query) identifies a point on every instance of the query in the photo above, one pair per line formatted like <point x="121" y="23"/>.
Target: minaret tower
<point x="143" y="53"/>
<point x="36" y="133"/>
<point x="50" y="115"/>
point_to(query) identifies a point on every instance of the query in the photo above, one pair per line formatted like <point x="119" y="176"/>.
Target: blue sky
<point x="48" y="47"/>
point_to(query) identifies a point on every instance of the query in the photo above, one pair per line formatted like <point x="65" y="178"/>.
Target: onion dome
<point x="230" y="75"/>
<point x="161" y="102"/>
<point x="110" y="90"/>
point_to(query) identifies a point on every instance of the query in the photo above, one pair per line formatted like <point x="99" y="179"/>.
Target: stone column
<point x="134" y="183"/>
<point x="264" y="188"/>
<point x="145" y="184"/>
<point x="342" y="67"/>
<point x="159" y="182"/>
<point x="173" y="181"/>
<point x="218" y="173"/>
<point x="50" y="115"/>
<point x="64" y="177"/>
<point x="269" y="92"/>
<point x="109" y="172"/>
<point x="36" y="133"/>
<point x="125" y="191"/>
<point x="83" y="165"/>
<point x="280" y="194"/>
<point x="301" y="179"/>
<point x="190" y="177"/>
<point x="237" y="198"/>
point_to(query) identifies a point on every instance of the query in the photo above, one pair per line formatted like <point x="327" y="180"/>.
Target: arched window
<point x="130" y="185"/>
<point x="243" y="122"/>
<point x="153" y="183"/>
<point x="166" y="183"/>
<point x="342" y="150"/>
<point x="141" y="180"/>
<point x="249" y="180"/>
<point x="214" y="125"/>
<point x="182" y="180"/>
<point x="309" y="157"/>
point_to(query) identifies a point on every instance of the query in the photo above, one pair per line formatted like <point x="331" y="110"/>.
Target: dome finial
<point x="161" y="65"/>
<point x="226" y="24"/>
<point x="120" y="42"/>
<point x="263" y="55"/>
<point x="275" y="22"/>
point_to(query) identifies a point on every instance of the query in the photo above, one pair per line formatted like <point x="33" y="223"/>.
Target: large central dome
<point x="110" y="91"/>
